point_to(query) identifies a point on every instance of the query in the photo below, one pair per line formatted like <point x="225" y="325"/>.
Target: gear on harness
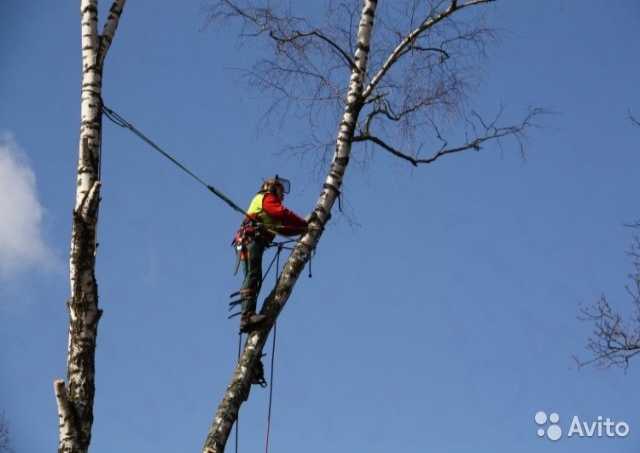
<point x="248" y="231"/>
<point x="257" y="374"/>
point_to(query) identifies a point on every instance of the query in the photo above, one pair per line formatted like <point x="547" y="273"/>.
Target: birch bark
<point x="75" y="400"/>
<point x="238" y="390"/>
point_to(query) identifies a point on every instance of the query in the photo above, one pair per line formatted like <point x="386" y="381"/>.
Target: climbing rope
<point x="273" y="356"/>
<point x="238" y="417"/>
<point x="276" y="259"/>
<point x="118" y="120"/>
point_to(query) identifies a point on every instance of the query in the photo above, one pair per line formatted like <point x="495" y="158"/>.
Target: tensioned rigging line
<point x="118" y="120"/>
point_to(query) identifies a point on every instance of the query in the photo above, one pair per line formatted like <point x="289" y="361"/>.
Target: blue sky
<point x="441" y="324"/>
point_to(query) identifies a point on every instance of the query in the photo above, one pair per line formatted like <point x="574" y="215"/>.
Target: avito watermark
<point x="549" y="426"/>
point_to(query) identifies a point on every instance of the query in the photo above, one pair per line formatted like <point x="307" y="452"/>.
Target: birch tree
<point x="75" y="399"/>
<point x="381" y="72"/>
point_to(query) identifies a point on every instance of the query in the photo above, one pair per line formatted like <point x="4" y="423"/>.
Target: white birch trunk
<point x="75" y="401"/>
<point x="238" y="390"/>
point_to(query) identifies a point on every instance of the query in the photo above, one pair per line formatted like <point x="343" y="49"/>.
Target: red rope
<point x="273" y="355"/>
<point x="238" y="417"/>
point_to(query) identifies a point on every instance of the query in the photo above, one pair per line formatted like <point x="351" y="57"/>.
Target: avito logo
<point x="553" y="432"/>
<point x="549" y="427"/>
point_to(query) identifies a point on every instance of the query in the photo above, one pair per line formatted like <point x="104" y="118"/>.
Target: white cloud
<point x="21" y="242"/>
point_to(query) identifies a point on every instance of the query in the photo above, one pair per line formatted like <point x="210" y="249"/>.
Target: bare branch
<point x="283" y="30"/>
<point x="409" y="40"/>
<point x="298" y="34"/>
<point x="613" y="341"/>
<point x="109" y="29"/>
<point x="414" y="47"/>
<point x="378" y="141"/>
<point x="67" y="423"/>
<point x="306" y="68"/>
<point x="490" y="132"/>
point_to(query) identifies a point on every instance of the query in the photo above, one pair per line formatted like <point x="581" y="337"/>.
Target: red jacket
<point x="291" y="224"/>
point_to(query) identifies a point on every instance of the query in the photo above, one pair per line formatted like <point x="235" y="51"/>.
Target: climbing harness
<point x="248" y="231"/>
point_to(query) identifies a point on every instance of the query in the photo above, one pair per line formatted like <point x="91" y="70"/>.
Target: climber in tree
<point x="266" y="217"/>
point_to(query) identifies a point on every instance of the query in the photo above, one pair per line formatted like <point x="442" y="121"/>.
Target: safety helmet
<point x="269" y="184"/>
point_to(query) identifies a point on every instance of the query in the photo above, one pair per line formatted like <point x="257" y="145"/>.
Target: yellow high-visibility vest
<point x="256" y="212"/>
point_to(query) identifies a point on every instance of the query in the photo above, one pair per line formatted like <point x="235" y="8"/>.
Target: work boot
<point x="250" y="321"/>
